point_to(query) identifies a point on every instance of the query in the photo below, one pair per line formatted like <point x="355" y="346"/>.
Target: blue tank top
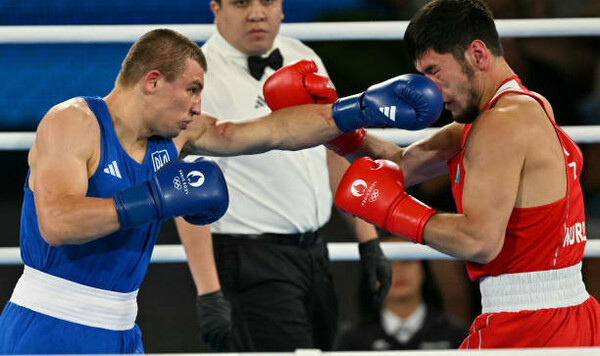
<point x="116" y="262"/>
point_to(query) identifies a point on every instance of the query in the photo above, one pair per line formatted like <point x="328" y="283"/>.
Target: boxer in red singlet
<point x="520" y="223"/>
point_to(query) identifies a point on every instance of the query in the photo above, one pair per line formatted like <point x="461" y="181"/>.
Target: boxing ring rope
<point x="338" y="252"/>
<point x="318" y="31"/>
<point x="19" y="141"/>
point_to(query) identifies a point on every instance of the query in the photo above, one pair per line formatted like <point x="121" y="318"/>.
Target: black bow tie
<point x="257" y="64"/>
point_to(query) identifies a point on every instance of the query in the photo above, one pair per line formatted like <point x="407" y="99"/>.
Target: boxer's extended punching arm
<point x="410" y="101"/>
<point x="292" y="128"/>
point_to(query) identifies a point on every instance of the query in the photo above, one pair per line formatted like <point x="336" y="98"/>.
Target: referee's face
<point x="248" y="25"/>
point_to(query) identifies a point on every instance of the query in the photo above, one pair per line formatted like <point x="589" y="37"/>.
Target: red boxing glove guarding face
<point x="296" y="84"/>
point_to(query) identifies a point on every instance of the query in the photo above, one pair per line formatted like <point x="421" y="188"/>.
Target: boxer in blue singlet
<point x="94" y="198"/>
<point x="99" y="264"/>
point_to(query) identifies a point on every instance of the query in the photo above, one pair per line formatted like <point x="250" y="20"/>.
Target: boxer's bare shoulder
<point x="68" y="129"/>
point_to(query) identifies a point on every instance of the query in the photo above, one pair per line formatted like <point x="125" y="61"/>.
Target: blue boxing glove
<point x="408" y="101"/>
<point x="196" y="190"/>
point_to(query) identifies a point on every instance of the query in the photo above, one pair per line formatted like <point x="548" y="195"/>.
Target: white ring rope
<point x="338" y="252"/>
<point x="21" y="141"/>
<point x="580" y="134"/>
<point x="315" y="31"/>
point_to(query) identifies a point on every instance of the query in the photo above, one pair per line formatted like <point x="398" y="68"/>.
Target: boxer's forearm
<point x="292" y="128"/>
<point x="302" y="126"/>
<point x="76" y="220"/>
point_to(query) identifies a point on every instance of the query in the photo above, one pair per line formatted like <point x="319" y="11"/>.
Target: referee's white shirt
<point x="275" y="192"/>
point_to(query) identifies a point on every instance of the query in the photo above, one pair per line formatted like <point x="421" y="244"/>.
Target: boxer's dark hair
<point x="449" y="26"/>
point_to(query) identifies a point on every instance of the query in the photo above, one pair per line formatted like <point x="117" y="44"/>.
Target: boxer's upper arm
<point x="59" y="160"/>
<point x="493" y="162"/>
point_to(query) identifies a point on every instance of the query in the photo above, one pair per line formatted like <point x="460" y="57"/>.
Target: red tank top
<point x="537" y="238"/>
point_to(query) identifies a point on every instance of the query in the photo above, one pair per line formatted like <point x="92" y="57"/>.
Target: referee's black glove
<point x="214" y="318"/>
<point x="377" y="269"/>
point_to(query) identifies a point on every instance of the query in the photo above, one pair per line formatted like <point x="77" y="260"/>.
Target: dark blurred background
<point x="37" y="76"/>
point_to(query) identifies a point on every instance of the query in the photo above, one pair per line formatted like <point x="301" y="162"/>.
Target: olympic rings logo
<point x="374" y="195"/>
<point x="177" y="183"/>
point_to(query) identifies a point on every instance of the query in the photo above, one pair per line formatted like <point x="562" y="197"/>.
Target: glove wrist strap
<point x="345" y="144"/>
<point x="135" y="206"/>
<point x="408" y="219"/>
<point x="347" y="113"/>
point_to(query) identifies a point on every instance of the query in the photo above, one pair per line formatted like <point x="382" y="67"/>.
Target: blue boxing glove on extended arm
<point x="196" y="190"/>
<point x="408" y="101"/>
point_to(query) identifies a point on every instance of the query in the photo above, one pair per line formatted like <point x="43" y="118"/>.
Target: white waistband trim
<point x="533" y="290"/>
<point x="74" y="302"/>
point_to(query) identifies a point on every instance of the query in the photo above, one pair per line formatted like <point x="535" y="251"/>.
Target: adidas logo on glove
<point x="389" y="111"/>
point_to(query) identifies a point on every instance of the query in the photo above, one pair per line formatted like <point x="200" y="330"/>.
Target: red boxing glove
<point x="297" y="84"/>
<point x="374" y="191"/>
